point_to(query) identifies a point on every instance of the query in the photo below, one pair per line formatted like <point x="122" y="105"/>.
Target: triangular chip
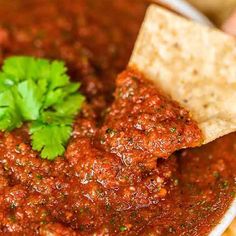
<point x="193" y="64"/>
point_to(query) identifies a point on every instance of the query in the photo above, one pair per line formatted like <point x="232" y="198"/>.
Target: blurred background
<point x="217" y="11"/>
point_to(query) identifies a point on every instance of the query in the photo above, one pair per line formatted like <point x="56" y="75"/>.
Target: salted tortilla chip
<point x="193" y="64"/>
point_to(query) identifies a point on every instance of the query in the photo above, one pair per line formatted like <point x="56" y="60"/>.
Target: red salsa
<point x="118" y="175"/>
<point x="142" y="125"/>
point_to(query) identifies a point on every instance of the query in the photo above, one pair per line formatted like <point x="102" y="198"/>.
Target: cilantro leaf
<point x="5" y="82"/>
<point x="58" y="78"/>
<point x="29" y="99"/>
<point x="70" y="105"/>
<point x="39" y="92"/>
<point x="50" y="140"/>
<point x="19" y="68"/>
<point x="9" y="115"/>
<point x="54" y="117"/>
<point x="15" y="68"/>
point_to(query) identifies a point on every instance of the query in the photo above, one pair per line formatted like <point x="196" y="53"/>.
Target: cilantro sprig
<point x="39" y="91"/>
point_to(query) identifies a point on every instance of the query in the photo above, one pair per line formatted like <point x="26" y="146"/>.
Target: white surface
<point x="185" y="9"/>
<point x="190" y="12"/>
<point x="226" y="221"/>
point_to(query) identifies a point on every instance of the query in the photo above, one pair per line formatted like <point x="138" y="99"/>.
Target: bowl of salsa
<point x="102" y="184"/>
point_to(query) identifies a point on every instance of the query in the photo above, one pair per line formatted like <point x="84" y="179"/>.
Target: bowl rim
<point x="225" y="221"/>
<point x="187" y="10"/>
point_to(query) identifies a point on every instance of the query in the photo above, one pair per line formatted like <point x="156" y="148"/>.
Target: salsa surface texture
<point x="95" y="188"/>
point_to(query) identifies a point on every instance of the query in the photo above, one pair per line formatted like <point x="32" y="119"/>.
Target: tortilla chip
<point x="193" y="64"/>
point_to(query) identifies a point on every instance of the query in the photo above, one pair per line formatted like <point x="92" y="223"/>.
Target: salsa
<point x="106" y="184"/>
<point x="142" y="125"/>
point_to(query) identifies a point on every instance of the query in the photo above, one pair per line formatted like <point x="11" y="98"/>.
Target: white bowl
<point x="185" y="9"/>
<point x="225" y="221"/>
<point x="190" y="12"/>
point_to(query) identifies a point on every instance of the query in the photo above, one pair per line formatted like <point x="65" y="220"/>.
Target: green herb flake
<point x="216" y="174"/>
<point x="111" y="132"/>
<point x="225" y="184"/>
<point x="43" y="222"/>
<point x="123" y="228"/>
<point x="108" y="207"/>
<point x="81" y="227"/>
<point x="81" y="210"/>
<point x="12" y="218"/>
<point x="39" y="91"/>
<point x="38" y="176"/>
<point x="133" y="214"/>
<point x="112" y="221"/>
<point x="134" y="78"/>
<point x="172" y="129"/>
